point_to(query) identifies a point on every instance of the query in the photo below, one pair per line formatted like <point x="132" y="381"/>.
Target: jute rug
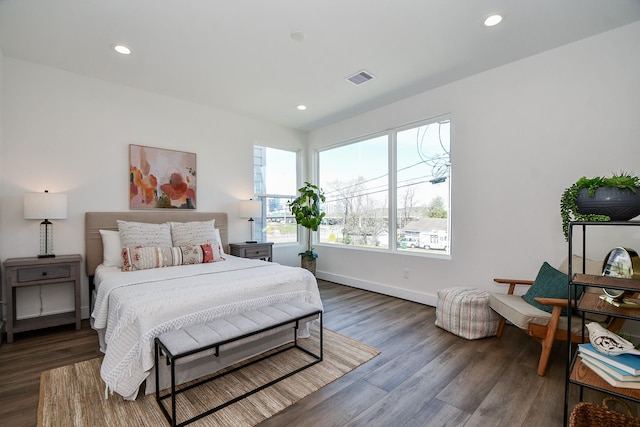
<point x="73" y="395"/>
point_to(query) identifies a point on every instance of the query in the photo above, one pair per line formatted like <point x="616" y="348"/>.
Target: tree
<point x="436" y="208"/>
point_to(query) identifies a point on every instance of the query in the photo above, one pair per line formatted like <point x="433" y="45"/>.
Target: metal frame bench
<point x="194" y="339"/>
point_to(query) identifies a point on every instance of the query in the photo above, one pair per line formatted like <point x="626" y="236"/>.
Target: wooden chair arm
<point x="560" y="302"/>
<point x="512" y="283"/>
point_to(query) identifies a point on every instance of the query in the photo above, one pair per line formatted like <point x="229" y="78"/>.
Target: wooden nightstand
<point x="263" y="250"/>
<point x="32" y="271"/>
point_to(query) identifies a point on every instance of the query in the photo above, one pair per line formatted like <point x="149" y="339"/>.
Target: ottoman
<point x="465" y="312"/>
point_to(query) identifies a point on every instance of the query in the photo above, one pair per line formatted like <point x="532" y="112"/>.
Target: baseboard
<point x="381" y="288"/>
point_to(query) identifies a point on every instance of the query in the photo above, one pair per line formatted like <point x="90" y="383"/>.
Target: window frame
<point x="261" y="223"/>
<point x="392" y="190"/>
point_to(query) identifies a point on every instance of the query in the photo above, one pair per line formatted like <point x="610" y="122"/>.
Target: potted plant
<point x="306" y="210"/>
<point x="613" y="198"/>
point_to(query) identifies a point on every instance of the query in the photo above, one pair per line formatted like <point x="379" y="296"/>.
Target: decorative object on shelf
<point x="621" y="263"/>
<point x="614" y="198"/>
<point x="608" y="342"/>
<point x="250" y="209"/>
<point x="306" y="209"/>
<point x="161" y="178"/>
<point x="45" y="206"/>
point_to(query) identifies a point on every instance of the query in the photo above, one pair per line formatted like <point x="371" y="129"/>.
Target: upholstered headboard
<point x="96" y="221"/>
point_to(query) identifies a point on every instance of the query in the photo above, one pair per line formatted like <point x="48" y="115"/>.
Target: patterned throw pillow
<point x="549" y="283"/>
<point x="142" y="234"/>
<point x="144" y="258"/>
<point x="192" y="233"/>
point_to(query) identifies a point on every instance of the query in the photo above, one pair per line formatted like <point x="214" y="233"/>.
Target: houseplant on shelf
<point x="612" y="198"/>
<point x="306" y="210"/>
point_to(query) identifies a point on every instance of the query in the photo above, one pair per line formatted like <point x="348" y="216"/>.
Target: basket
<point x="588" y="414"/>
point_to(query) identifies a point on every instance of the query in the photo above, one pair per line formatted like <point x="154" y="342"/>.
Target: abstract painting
<point x="161" y="178"/>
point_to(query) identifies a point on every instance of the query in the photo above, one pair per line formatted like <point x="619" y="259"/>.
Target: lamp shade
<point x="250" y="209"/>
<point x="45" y="205"/>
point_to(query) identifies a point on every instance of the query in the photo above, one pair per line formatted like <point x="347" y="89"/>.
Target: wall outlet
<point x="405" y="273"/>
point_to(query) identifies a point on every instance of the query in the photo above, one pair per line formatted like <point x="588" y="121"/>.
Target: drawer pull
<point x="44" y="273"/>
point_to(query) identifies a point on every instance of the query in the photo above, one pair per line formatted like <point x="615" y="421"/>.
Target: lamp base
<point x="46" y="256"/>
<point x="251" y="241"/>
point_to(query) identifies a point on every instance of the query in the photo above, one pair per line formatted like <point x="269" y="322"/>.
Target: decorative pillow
<point x="192" y="233"/>
<point x="111" y="248"/>
<point x="144" y="258"/>
<point x="218" y="242"/>
<point x="549" y="283"/>
<point x="141" y="234"/>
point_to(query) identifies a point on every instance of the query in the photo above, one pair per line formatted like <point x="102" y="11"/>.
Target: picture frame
<point x="160" y="178"/>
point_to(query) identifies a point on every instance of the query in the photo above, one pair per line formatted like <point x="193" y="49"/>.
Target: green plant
<point x="306" y="210"/>
<point x="569" y="200"/>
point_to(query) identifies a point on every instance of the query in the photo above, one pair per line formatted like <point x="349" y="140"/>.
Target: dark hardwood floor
<point x="424" y="376"/>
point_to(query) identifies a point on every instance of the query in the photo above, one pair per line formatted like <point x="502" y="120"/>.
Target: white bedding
<point x="134" y="307"/>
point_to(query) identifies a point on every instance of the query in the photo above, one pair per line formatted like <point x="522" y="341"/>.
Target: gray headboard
<point x="96" y="221"/>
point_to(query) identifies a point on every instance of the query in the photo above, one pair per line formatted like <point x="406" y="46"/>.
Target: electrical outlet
<point x="405" y="273"/>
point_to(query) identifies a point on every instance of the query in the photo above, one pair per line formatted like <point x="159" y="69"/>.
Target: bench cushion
<point x="194" y="337"/>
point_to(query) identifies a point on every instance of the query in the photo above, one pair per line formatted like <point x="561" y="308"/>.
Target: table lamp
<point x="250" y="209"/>
<point x="45" y="206"/>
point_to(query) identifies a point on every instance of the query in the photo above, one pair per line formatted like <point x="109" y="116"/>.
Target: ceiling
<point x="238" y="55"/>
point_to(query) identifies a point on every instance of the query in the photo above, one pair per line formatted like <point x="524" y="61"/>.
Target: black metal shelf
<point x="577" y="372"/>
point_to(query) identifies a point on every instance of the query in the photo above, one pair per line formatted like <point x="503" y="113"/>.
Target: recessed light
<point x="301" y="107"/>
<point x="122" y="49"/>
<point x="493" y="20"/>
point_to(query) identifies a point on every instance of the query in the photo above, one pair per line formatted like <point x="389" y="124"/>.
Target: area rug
<point x="73" y="395"/>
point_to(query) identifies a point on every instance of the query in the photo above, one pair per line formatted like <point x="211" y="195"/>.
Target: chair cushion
<point x="549" y="283"/>
<point x="520" y="313"/>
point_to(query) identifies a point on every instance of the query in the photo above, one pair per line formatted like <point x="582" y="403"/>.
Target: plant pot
<point x="308" y="264"/>
<point x="620" y="204"/>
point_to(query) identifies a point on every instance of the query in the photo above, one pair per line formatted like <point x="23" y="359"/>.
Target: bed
<point x="131" y="308"/>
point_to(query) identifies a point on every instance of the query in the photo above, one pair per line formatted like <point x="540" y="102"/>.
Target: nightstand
<point x="32" y="271"/>
<point x="262" y="250"/>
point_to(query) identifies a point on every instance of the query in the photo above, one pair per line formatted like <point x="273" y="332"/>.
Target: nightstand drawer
<point x="262" y="250"/>
<point x="259" y="252"/>
<point x="43" y="273"/>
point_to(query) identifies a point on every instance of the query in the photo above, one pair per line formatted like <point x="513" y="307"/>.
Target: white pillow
<point x="142" y="234"/>
<point x="111" y="248"/>
<point x="193" y="233"/>
<point x="219" y="242"/>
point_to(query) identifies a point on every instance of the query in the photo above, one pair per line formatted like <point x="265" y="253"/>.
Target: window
<point x="355" y="180"/>
<point x="275" y="183"/>
<point x="359" y="181"/>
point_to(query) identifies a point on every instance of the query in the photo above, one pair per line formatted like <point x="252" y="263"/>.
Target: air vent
<point x="360" y="77"/>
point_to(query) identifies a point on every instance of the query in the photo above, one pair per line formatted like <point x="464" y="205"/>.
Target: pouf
<point x="466" y="313"/>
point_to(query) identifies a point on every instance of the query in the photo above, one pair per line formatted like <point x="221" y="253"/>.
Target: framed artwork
<point x="160" y="178"/>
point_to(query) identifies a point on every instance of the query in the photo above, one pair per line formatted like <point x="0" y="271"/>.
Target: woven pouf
<point x="466" y="313"/>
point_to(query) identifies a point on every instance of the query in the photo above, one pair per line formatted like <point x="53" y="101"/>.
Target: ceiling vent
<point x="360" y="77"/>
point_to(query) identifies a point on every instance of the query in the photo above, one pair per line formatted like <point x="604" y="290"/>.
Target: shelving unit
<point x="577" y="372"/>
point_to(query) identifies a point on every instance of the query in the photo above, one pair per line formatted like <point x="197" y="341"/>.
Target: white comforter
<point x="134" y="307"/>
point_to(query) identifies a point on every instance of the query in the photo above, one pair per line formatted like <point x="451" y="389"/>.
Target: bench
<point x="200" y="340"/>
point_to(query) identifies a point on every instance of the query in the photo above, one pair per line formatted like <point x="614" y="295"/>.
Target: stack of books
<point x="620" y="371"/>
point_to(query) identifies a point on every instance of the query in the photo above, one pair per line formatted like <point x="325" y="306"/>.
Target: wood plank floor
<point x="424" y="376"/>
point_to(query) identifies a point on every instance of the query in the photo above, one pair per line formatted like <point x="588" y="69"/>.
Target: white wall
<point x="68" y="133"/>
<point x="521" y="133"/>
<point x="2" y="296"/>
